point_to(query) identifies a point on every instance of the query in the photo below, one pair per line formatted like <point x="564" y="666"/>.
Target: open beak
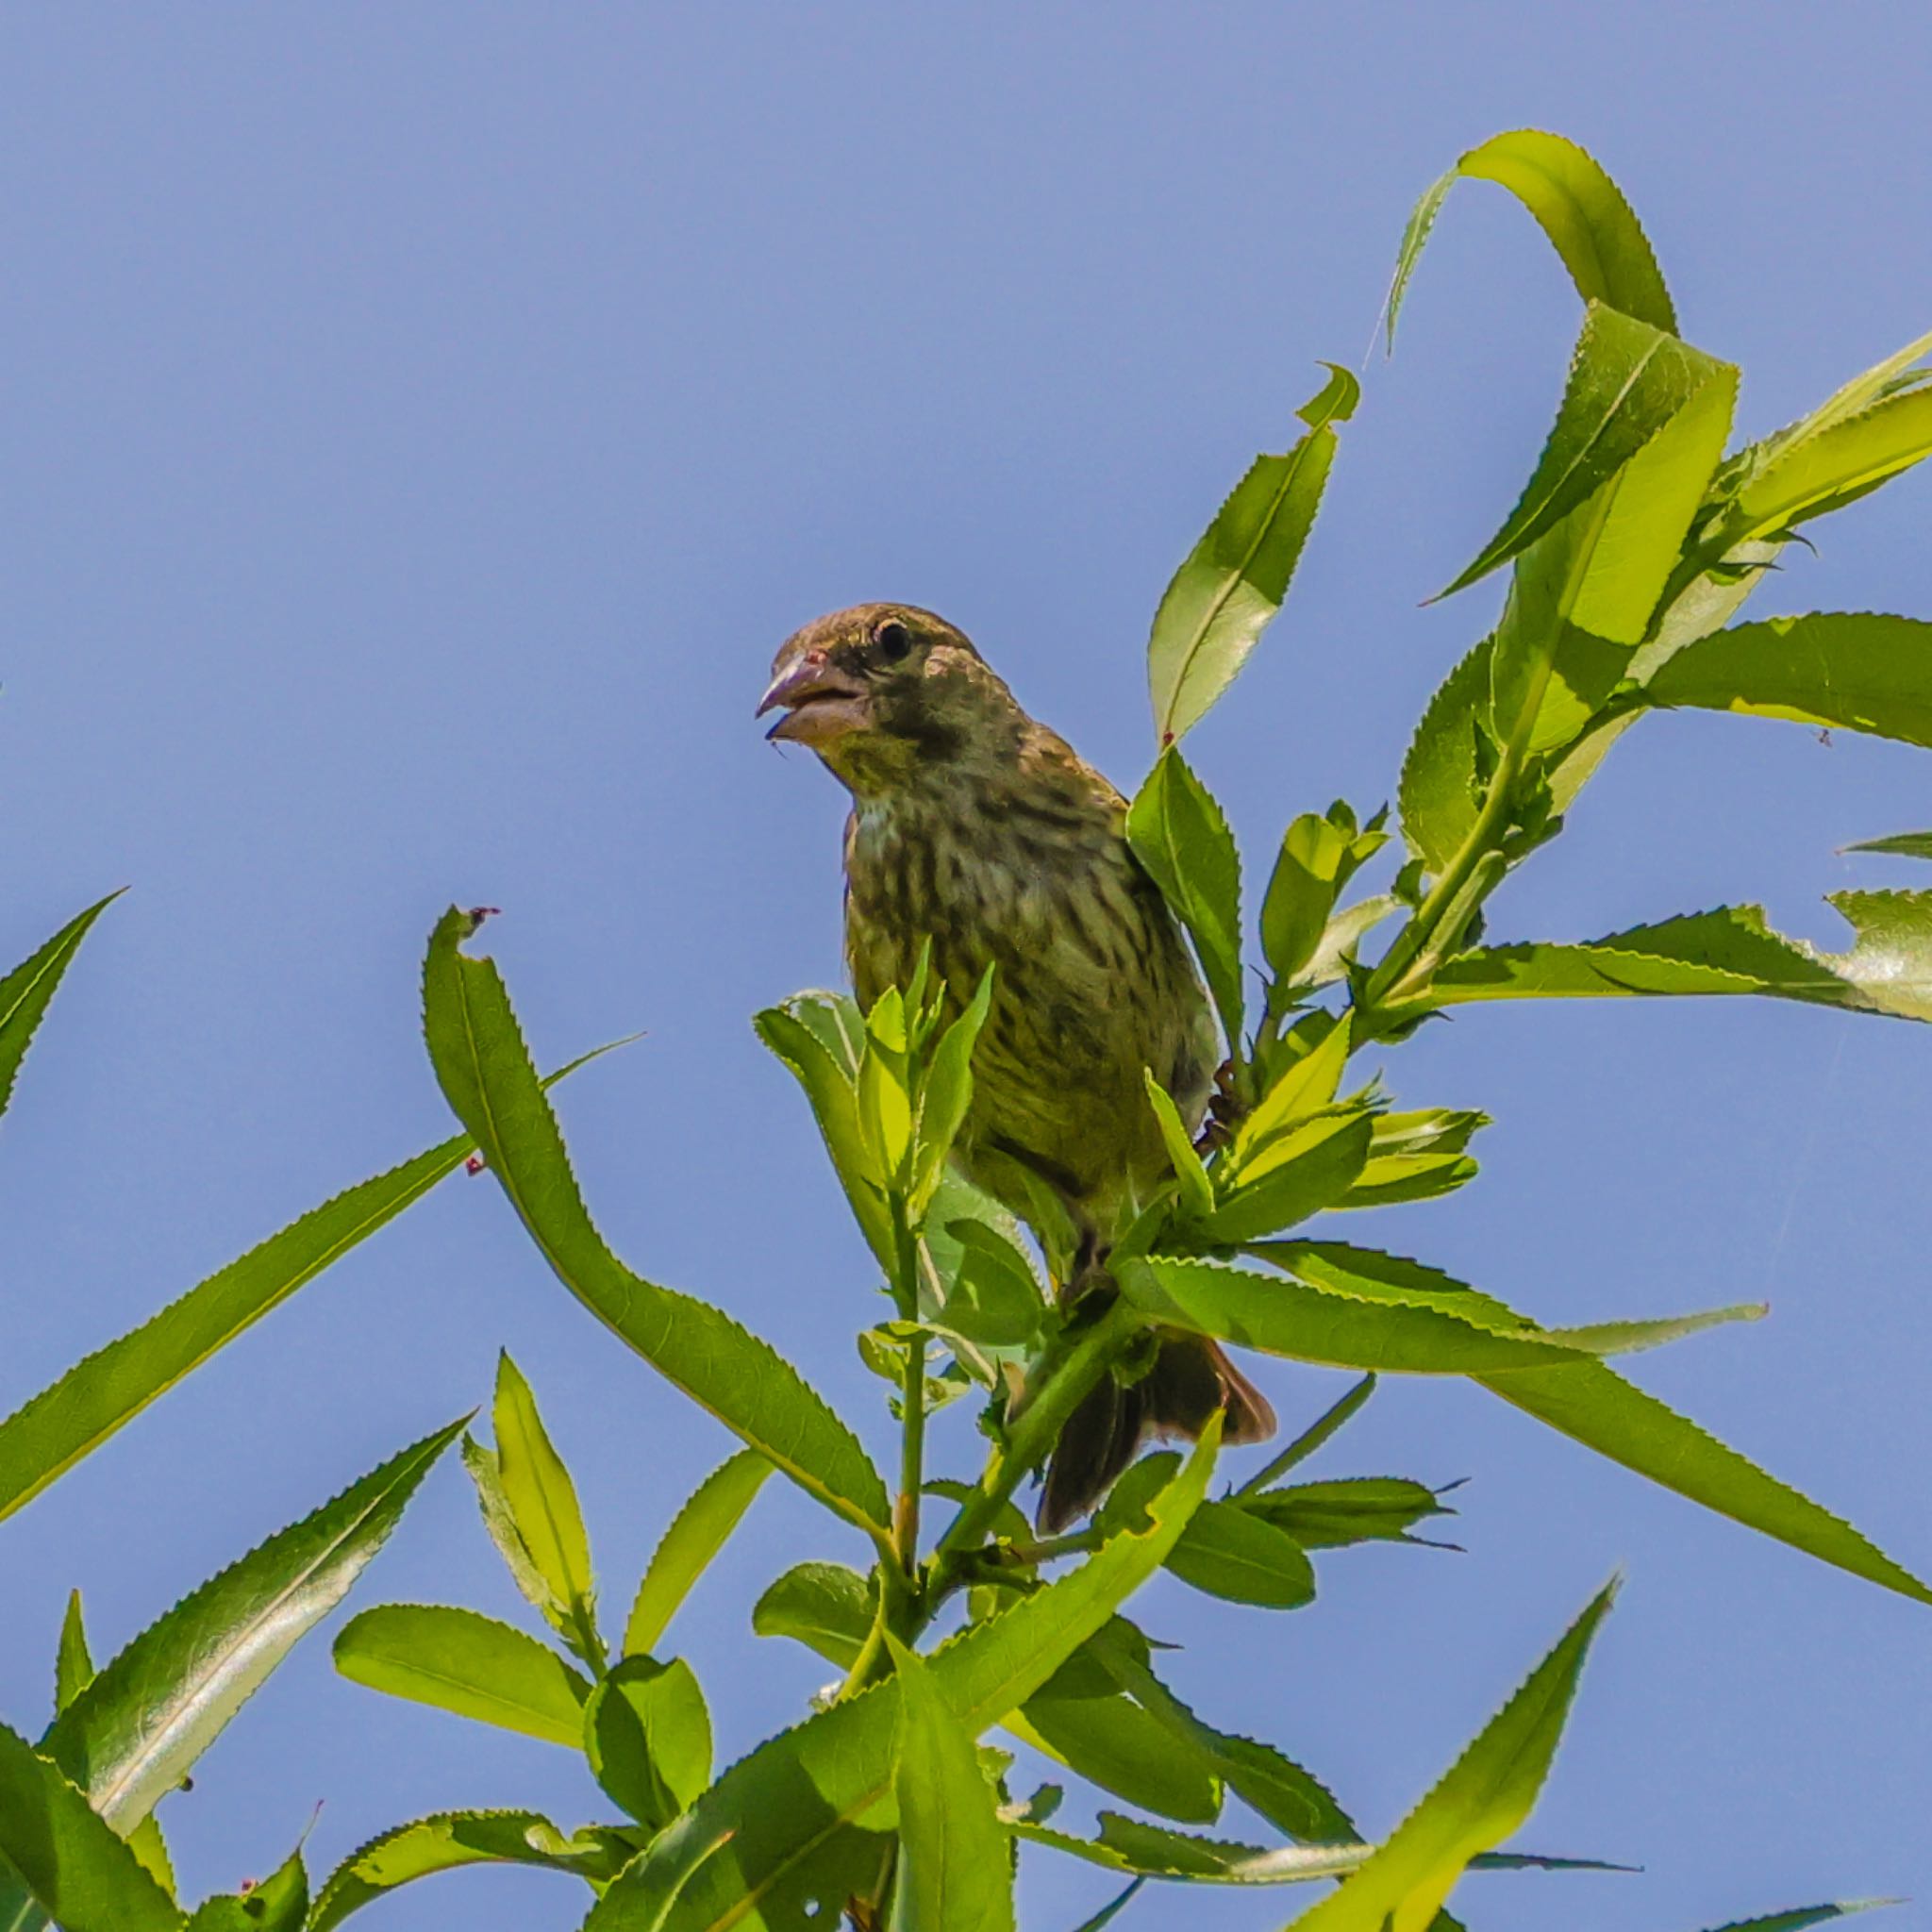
<point x="819" y="701"/>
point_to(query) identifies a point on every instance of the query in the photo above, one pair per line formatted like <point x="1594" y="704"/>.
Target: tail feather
<point x="1191" y="1379"/>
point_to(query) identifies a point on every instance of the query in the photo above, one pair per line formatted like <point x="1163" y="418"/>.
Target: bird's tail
<point x="1191" y="1378"/>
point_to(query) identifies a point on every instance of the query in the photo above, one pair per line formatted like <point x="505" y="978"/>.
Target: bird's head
<point x="885" y="692"/>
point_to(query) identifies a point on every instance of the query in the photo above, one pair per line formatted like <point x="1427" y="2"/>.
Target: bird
<point x="978" y="831"/>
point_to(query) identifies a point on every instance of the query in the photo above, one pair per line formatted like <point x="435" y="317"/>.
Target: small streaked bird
<point x="975" y="827"/>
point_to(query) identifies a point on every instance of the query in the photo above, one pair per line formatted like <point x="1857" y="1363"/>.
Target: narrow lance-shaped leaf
<point x="1806" y="1916"/>
<point x="67" y="1856"/>
<point x="1627" y="381"/>
<point x="1575" y="204"/>
<point x="542" y="1502"/>
<point x="1484" y="1797"/>
<point x="1899" y="845"/>
<point x="1179" y="832"/>
<point x="486" y="1076"/>
<point x="696" y="1534"/>
<point x="956" y="1872"/>
<point x="136" y="1730"/>
<point x="74" y="1667"/>
<point x="27" y="991"/>
<point x="449" y="1840"/>
<point x="757" y="1829"/>
<point x="49" y="1433"/>
<point x="462" y="1661"/>
<point x="1591" y="1404"/>
<point x="1235" y="578"/>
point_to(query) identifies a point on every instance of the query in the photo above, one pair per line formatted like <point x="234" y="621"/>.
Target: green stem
<point x="1311" y="1438"/>
<point x="1029" y="1441"/>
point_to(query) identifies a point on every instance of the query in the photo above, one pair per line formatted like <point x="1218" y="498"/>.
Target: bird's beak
<point x="821" y="702"/>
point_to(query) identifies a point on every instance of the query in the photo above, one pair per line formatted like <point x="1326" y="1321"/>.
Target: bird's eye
<point x="892" y="641"/>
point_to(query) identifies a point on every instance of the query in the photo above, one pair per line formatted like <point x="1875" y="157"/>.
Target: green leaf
<point x="1341" y="938"/>
<point x="944" y="1097"/>
<point x="1324" y="1321"/>
<point x="1821" y="468"/>
<point x="26" y="992"/>
<point x="1131" y="1845"/>
<point x="1730" y="950"/>
<point x="1114" y="1742"/>
<point x="753" y="1836"/>
<point x="447" y="1841"/>
<point x="462" y="1661"/>
<point x="278" y="1904"/>
<point x="67" y="1856"/>
<point x="957" y="1870"/>
<point x="826" y="1607"/>
<point x="993" y="1297"/>
<point x="1180" y="835"/>
<point x="1484" y="1797"/>
<point x="1627" y="381"/>
<point x="1850" y="670"/>
<point x="1196" y="1190"/>
<point x="1308" y="1167"/>
<point x="1306" y="1088"/>
<point x="647" y="1735"/>
<point x="1575" y="204"/>
<point x="1589" y="1402"/>
<point x="486" y="1076"/>
<point x="1112" y="1910"/>
<point x="542" y="1504"/>
<point x="1807" y="1915"/>
<point x="1237" y="576"/>
<point x="806" y="1033"/>
<point x="696" y="1534"/>
<point x="1229" y="1551"/>
<point x="136" y="1730"/>
<point x="1440" y="793"/>
<point x="1309" y="871"/>
<point x="1354" y="1509"/>
<point x="1901" y="844"/>
<point x="74" y="1667"/>
<point x="500" y="1521"/>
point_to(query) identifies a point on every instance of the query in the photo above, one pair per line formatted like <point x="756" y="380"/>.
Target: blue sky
<point x="422" y="423"/>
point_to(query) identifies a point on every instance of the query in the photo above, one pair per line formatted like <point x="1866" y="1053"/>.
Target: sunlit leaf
<point x="1229" y="1551"/>
<point x="1182" y="836"/>
<point x="74" y="1667"/>
<point x="1820" y="468"/>
<point x="1483" y="1798"/>
<point x="1196" y="1190"/>
<point x="1304" y="1169"/>
<point x="1575" y="204"/>
<point x="946" y="1095"/>
<point x="826" y="1607"/>
<point x="647" y="1735"/>
<point x="1591" y="1402"/>
<point x="132" y="1735"/>
<point x="696" y="1534"/>
<point x="1235" y="578"/>
<point x="445" y="1841"/>
<point x="486" y="1076"/>
<point x="1115" y="1743"/>
<point x="957" y="1872"/>
<point x="462" y="1661"/>
<point x="67" y="1856"/>
<point x="542" y="1504"/>
<point x="1353" y="1509"/>
<point x="278" y="1904"/>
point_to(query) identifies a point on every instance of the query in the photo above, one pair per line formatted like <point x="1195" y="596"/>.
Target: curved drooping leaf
<point x="67" y="1856"/>
<point x="1315" y="1322"/>
<point x="826" y="1607"/>
<point x="1180" y="834"/>
<point x="132" y="1735"/>
<point x="1730" y="950"/>
<point x="753" y="1837"/>
<point x="1575" y="204"/>
<point x="696" y="1534"/>
<point x="540" y="1502"/>
<point x="1627" y="382"/>
<point x="957" y="1868"/>
<point x="1484" y="1797"/>
<point x="1235" y="578"/>
<point x="1589" y="1402"/>
<point x="1851" y="671"/>
<point x="462" y="1661"/>
<point x="278" y="1904"/>
<point x="486" y="1074"/>
<point x="448" y="1840"/>
<point x="26" y="992"/>
<point x="53" y="1430"/>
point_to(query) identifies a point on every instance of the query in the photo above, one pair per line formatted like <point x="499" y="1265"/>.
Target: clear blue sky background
<point x="421" y="424"/>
